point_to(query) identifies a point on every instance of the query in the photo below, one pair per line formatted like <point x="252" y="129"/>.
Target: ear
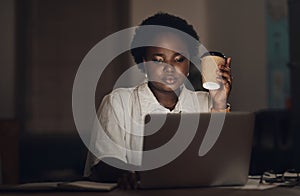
<point x="144" y="60"/>
<point x="142" y="66"/>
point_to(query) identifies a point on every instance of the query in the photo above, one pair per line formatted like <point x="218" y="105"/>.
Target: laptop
<point x="196" y="150"/>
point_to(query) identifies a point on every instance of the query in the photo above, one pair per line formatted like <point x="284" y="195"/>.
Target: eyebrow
<point x="176" y="54"/>
<point x="158" y="54"/>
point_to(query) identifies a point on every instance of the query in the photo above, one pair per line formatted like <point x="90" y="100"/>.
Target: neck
<point x="167" y="99"/>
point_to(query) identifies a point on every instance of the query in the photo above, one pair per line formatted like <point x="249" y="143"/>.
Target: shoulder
<point x="118" y="93"/>
<point x="128" y="92"/>
<point x="120" y="96"/>
<point x="121" y="91"/>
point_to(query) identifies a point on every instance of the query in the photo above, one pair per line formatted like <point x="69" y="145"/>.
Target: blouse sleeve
<point x="108" y="139"/>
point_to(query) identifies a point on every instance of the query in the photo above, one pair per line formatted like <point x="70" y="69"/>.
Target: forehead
<point x="163" y="52"/>
<point x="170" y="41"/>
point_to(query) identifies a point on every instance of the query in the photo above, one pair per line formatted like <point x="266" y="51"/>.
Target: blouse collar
<point x="151" y="105"/>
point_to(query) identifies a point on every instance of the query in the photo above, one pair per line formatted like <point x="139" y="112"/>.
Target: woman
<point x="121" y="113"/>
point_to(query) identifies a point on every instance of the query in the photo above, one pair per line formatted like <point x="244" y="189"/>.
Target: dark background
<point x="39" y="141"/>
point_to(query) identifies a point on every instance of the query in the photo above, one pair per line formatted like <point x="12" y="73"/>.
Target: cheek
<point x="153" y="70"/>
<point x="183" y="69"/>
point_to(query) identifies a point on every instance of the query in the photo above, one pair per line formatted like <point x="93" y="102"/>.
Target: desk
<point x="173" y="192"/>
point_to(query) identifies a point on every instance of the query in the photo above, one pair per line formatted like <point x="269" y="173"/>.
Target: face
<point x="167" y="68"/>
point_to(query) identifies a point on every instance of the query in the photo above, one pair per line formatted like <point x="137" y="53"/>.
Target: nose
<point x="168" y="67"/>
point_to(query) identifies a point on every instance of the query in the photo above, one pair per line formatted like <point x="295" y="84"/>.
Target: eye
<point x="158" y="60"/>
<point x="180" y="59"/>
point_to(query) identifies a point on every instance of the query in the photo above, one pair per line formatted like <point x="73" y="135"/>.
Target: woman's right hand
<point x="128" y="181"/>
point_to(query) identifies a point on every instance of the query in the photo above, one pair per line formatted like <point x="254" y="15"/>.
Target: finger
<point x="225" y="80"/>
<point x="228" y="62"/>
<point x="229" y="77"/>
<point x="128" y="183"/>
<point x="225" y="68"/>
<point x="132" y="180"/>
<point x="224" y="74"/>
<point x="121" y="183"/>
<point x="224" y="71"/>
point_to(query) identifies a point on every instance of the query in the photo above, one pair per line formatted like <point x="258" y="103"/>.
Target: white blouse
<point x="121" y="115"/>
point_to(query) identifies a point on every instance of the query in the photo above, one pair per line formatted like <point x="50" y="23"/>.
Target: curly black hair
<point x="167" y="20"/>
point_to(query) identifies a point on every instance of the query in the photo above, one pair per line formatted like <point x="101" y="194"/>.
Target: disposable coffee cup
<point x="209" y="67"/>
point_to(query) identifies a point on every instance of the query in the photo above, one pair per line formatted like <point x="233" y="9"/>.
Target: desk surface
<point x="174" y="192"/>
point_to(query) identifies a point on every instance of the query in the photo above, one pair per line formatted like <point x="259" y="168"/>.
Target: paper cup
<point x="209" y="67"/>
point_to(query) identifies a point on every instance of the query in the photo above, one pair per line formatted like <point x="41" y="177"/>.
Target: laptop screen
<point x="192" y="150"/>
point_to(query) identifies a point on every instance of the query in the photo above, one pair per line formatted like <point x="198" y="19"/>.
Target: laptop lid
<point x="220" y="156"/>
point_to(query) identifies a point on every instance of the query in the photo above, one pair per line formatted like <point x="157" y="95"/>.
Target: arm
<point x="108" y="141"/>
<point x="103" y="172"/>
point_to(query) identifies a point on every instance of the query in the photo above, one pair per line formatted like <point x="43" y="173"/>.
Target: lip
<point x="169" y="80"/>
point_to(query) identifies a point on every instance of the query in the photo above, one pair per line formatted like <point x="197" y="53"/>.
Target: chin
<point x="166" y="87"/>
<point x="171" y="88"/>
